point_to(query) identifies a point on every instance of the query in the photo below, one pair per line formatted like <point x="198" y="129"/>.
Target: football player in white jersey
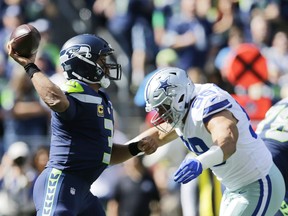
<point x="215" y="127"/>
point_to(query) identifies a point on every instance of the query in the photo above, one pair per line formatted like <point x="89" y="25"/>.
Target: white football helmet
<point x="169" y="92"/>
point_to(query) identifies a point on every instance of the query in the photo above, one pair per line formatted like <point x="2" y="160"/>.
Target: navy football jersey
<point x="81" y="137"/>
<point x="274" y="131"/>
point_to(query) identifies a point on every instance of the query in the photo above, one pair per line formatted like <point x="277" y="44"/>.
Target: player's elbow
<point x="57" y="105"/>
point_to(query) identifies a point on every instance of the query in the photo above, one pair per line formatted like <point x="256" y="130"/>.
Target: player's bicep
<point x="224" y="132"/>
<point x="222" y="119"/>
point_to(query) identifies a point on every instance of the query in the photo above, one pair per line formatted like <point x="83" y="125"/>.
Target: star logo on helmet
<point x="164" y="85"/>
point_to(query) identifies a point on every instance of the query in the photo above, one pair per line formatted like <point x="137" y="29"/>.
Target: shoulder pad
<point x="214" y="105"/>
<point x="208" y="103"/>
<point x="72" y="86"/>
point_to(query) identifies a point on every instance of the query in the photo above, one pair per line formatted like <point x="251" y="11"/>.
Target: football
<point x="26" y="39"/>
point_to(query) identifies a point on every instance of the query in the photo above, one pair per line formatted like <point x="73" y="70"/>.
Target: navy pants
<point x="60" y="194"/>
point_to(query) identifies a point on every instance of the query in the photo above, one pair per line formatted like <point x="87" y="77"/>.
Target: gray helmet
<point x="169" y="89"/>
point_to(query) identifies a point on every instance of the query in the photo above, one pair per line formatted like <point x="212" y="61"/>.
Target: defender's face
<point x="164" y="113"/>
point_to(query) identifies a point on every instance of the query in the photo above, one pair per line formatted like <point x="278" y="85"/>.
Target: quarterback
<point x="82" y="127"/>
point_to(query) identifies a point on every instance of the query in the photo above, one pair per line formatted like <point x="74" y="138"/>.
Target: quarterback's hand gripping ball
<point x="25" y="40"/>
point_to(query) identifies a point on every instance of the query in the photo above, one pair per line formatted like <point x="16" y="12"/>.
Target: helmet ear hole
<point x="181" y="99"/>
<point x="99" y="71"/>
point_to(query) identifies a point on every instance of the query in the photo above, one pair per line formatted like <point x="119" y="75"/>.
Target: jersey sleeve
<point x="70" y="87"/>
<point x="69" y="113"/>
<point x="214" y="104"/>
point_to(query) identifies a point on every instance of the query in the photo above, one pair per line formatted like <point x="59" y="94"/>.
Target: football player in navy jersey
<point x="82" y="127"/>
<point x="273" y="129"/>
<point x="218" y="130"/>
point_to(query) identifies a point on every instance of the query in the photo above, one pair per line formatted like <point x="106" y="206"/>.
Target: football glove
<point x="188" y="170"/>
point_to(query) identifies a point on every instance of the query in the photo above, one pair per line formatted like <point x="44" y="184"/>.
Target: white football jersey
<point x="251" y="161"/>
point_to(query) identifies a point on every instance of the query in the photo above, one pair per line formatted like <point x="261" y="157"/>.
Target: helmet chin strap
<point x="104" y="82"/>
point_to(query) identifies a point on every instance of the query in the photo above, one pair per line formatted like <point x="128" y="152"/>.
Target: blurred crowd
<point x="240" y="45"/>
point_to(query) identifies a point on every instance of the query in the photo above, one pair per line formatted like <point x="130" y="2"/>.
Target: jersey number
<point x="108" y="125"/>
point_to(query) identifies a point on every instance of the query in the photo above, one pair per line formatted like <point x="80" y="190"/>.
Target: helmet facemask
<point x="167" y="112"/>
<point x="104" y="72"/>
<point x="114" y="71"/>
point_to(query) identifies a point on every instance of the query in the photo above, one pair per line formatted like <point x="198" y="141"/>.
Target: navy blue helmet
<point x="83" y="57"/>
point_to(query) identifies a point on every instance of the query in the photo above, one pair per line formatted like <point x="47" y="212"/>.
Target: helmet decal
<point x="164" y="85"/>
<point x="80" y="49"/>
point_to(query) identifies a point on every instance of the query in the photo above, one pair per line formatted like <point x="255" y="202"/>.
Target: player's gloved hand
<point x="188" y="170"/>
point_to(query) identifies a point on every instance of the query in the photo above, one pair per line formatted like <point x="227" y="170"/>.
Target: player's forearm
<point x="224" y="147"/>
<point x="228" y="146"/>
<point x="50" y="93"/>
<point x="159" y="137"/>
<point x="120" y="153"/>
<point x="226" y="137"/>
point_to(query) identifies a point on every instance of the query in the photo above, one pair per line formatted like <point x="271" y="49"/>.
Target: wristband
<point x="212" y="157"/>
<point x="133" y="148"/>
<point x="31" y="69"/>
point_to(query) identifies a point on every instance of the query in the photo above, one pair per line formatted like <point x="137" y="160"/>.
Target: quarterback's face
<point x="102" y="63"/>
<point x="111" y="69"/>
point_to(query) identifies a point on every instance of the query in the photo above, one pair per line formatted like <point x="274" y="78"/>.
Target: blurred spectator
<point x="163" y="163"/>
<point x="235" y="38"/>
<point x="36" y="9"/>
<point x="260" y="30"/>
<point x="262" y="35"/>
<point x="104" y="186"/>
<point x="277" y="59"/>
<point x="225" y="16"/>
<point x="248" y="8"/>
<point x="12" y="17"/>
<point x="58" y="77"/>
<point x="47" y="47"/>
<point x="129" y="23"/>
<point x="163" y="10"/>
<point x="40" y="158"/>
<point x="16" y="178"/>
<point x="186" y="34"/>
<point x="23" y="108"/>
<point x="45" y="63"/>
<point x="135" y="192"/>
